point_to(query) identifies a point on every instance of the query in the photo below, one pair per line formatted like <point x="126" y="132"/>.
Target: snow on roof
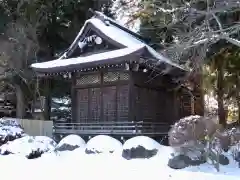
<point x="97" y="58"/>
<point x="111" y="31"/>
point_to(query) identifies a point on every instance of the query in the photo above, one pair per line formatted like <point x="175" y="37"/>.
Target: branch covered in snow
<point x="194" y="24"/>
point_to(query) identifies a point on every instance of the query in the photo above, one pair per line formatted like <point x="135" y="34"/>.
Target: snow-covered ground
<point x="73" y="161"/>
<point x="76" y="164"/>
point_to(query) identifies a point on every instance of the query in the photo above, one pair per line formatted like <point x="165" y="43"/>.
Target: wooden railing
<point x="112" y="128"/>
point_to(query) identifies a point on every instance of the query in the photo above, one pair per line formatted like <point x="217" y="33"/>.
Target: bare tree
<point x="197" y="24"/>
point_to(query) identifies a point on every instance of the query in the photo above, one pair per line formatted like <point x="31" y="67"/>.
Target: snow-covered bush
<point x="140" y="147"/>
<point x="29" y="146"/>
<point x="103" y="144"/>
<point x="190" y="130"/>
<point x="10" y="130"/>
<point x="199" y="138"/>
<point x="70" y="142"/>
<point x="234" y="148"/>
<point x="234" y="133"/>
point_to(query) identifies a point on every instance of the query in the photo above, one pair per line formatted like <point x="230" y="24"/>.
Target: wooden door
<point x="82" y="105"/>
<point x="123" y="103"/>
<point x="94" y="105"/>
<point x="109" y="103"/>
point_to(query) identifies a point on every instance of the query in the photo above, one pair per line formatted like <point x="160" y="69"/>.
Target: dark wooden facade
<point x="126" y="103"/>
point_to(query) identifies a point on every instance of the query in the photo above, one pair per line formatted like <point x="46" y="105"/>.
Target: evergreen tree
<point x="45" y="28"/>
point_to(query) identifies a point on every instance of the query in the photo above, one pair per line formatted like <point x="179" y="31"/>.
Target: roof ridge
<point x="107" y="20"/>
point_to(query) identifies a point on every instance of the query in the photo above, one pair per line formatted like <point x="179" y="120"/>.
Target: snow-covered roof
<point x="97" y="59"/>
<point x="127" y="41"/>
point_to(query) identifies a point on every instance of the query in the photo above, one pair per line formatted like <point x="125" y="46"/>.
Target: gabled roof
<point x="129" y="43"/>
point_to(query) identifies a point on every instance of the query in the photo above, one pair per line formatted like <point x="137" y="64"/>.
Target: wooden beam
<point x="74" y="98"/>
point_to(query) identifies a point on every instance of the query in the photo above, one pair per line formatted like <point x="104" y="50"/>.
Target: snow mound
<point x="140" y="147"/>
<point x="103" y="144"/>
<point x="70" y="142"/>
<point x="29" y="146"/>
<point x="10" y="130"/>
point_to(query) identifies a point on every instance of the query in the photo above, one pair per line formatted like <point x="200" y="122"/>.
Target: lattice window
<point x="89" y="79"/>
<point x="115" y="76"/>
<point x="110" y="76"/>
<point x="124" y="76"/>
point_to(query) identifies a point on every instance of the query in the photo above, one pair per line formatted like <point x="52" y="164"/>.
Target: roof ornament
<point x="90" y="40"/>
<point x="98" y="40"/>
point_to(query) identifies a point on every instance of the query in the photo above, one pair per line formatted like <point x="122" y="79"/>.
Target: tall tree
<point x="38" y="30"/>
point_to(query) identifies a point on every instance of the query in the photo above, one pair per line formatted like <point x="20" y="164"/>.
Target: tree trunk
<point x="238" y="100"/>
<point x="198" y="94"/>
<point x="239" y="112"/>
<point x="220" y="94"/>
<point x="196" y="79"/>
<point x="238" y="105"/>
<point x="20" y="110"/>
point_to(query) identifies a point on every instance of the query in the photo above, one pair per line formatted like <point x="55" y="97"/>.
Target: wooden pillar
<point x="175" y="106"/>
<point x="198" y="88"/>
<point x="73" y="99"/>
<point x="48" y="98"/>
<point x="131" y="97"/>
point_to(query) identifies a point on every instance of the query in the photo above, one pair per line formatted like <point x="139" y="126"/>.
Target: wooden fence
<point x="37" y="127"/>
<point x="113" y="128"/>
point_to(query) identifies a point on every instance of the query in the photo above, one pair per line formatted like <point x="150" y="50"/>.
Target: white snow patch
<point x="64" y="100"/>
<point x="75" y="164"/>
<point x="230" y="169"/>
<point x="143" y="141"/>
<point x="164" y="154"/>
<point x="104" y="144"/>
<point x="73" y="140"/>
<point x="62" y="108"/>
<point x="28" y="144"/>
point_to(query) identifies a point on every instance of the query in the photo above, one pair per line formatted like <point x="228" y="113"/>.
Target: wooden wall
<point x="154" y="100"/>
